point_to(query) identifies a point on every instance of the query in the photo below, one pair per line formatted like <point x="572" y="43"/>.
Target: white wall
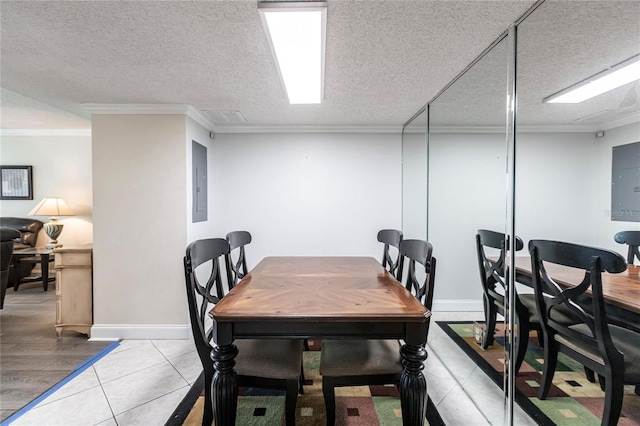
<point x="414" y="185"/>
<point x="139" y="169"/>
<point x="61" y="168"/>
<point x="306" y="194"/>
<point x="568" y="197"/>
<point x="466" y="193"/>
<point x="556" y="175"/>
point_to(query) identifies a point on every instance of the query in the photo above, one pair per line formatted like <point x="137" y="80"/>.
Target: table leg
<point x="45" y="271"/>
<point x="413" y="385"/>
<point x="224" y="386"/>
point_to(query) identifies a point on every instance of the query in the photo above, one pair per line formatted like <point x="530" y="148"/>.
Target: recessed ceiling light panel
<point x="297" y="35"/>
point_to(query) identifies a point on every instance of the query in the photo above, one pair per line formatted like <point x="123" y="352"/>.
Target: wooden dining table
<point x="621" y="291"/>
<point x="320" y="297"/>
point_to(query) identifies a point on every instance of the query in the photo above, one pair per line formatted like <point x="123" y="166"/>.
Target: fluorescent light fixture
<point x="297" y="34"/>
<point x="618" y="75"/>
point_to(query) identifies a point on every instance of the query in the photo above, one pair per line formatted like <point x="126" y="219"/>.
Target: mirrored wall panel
<point x="415" y="177"/>
<point x="467" y="192"/>
<point x="467" y="167"/>
<point x="577" y="179"/>
<point x="564" y="181"/>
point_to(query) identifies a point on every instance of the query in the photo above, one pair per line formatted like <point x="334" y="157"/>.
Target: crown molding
<point x="152" y="109"/>
<point x="629" y="119"/>
<point x="45" y="132"/>
<point x="309" y="129"/>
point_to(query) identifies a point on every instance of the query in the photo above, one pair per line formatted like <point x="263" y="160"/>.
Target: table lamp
<point x="53" y="207"/>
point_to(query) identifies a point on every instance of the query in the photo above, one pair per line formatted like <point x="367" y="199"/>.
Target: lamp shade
<point x="51" y="206"/>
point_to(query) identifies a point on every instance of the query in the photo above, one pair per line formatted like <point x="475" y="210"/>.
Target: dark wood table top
<point x="319" y="289"/>
<point x="621" y="289"/>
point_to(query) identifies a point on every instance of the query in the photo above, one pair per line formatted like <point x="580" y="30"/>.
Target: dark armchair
<point x="7" y="237"/>
<point x="28" y="230"/>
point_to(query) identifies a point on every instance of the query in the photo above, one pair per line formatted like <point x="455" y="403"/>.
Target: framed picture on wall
<point x="17" y="183"/>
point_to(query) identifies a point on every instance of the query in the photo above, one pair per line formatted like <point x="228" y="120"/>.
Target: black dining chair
<point x="376" y="362"/>
<point x="237" y="240"/>
<point x="271" y="364"/>
<point x="632" y="239"/>
<point x="611" y="351"/>
<point x="390" y="238"/>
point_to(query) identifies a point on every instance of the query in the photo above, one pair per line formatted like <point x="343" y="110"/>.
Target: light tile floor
<point x="141" y="382"/>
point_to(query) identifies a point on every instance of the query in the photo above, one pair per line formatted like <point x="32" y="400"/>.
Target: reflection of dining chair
<point x="375" y="362"/>
<point x="494" y="285"/>
<point x="390" y="238"/>
<point x="259" y="363"/>
<point x="611" y="351"/>
<point x="632" y="238"/>
<point x="237" y="240"/>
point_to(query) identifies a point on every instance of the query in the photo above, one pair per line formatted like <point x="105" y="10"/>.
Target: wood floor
<point x="32" y="359"/>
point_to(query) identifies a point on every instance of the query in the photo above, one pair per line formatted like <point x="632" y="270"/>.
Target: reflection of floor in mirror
<point x="32" y="358"/>
<point x="143" y="381"/>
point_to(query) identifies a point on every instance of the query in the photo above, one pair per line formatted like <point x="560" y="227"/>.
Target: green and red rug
<point x="572" y="400"/>
<point x="355" y="406"/>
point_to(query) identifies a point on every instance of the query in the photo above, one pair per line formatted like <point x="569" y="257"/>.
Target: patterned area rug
<point x="355" y="406"/>
<point x="572" y="400"/>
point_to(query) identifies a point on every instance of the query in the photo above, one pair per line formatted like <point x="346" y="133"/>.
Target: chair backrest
<point x="237" y="240"/>
<point x="390" y="238"/>
<point x="492" y="271"/>
<point x="632" y="238"/>
<point x="593" y="261"/>
<point x="421" y="252"/>
<point x="205" y="288"/>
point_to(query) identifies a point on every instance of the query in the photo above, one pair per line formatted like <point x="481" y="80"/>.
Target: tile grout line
<point x="113" y="414"/>
<point x="167" y="361"/>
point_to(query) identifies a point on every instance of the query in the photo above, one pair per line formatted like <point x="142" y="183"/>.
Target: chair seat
<point x="360" y="358"/>
<point x="272" y="359"/>
<point x="626" y="341"/>
<point x="559" y="313"/>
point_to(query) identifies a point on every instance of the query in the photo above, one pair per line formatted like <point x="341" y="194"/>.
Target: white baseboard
<point x="112" y="332"/>
<point x="457" y="305"/>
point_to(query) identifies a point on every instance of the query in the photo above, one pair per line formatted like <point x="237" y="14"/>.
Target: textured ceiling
<point x="559" y="44"/>
<point x="384" y="59"/>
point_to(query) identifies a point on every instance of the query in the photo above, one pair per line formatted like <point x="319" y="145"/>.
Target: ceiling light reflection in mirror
<point x="612" y="78"/>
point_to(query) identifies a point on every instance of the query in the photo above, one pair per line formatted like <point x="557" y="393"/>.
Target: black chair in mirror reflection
<point x="495" y="287"/>
<point x="237" y="240"/>
<point x="632" y="239"/>
<point x="391" y="239"/>
<point x="376" y="362"/>
<point x="272" y="364"/>
<point x="611" y="351"/>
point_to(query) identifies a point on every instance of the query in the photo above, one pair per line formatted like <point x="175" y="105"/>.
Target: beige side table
<point x="74" y="289"/>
